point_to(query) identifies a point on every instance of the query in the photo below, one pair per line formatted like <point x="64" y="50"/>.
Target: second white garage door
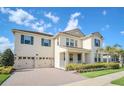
<point x="44" y="62"/>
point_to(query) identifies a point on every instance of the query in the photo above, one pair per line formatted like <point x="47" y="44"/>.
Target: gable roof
<point x="74" y="32"/>
<point x="39" y="33"/>
<point x="98" y="34"/>
<point x="92" y="34"/>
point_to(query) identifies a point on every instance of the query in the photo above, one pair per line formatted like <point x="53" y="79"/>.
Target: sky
<point x="108" y="21"/>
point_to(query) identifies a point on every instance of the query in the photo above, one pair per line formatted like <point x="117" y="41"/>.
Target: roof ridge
<point x="29" y="31"/>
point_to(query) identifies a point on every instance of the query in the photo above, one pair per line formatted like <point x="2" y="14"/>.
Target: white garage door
<point x="42" y="62"/>
<point x="24" y="62"/>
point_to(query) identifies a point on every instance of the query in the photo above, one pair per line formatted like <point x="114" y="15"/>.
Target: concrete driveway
<point x="42" y="77"/>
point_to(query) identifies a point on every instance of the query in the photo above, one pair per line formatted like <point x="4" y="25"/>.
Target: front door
<point x="71" y="58"/>
<point x="79" y="58"/>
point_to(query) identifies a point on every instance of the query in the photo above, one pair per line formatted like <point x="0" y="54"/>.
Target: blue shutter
<point x="42" y="42"/>
<point x="49" y="42"/>
<point x="22" y="39"/>
<point x="32" y="40"/>
<point x="95" y="42"/>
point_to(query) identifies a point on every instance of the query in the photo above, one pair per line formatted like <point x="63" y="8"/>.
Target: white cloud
<point x="73" y="21"/>
<point x="5" y="43"/>
<point x="122" y="32"/>
<point x="54" y="18"/>
<point x="59" y="29"/>
<point x="40" y="27"/>
<point x="4" y="10"/>
<point x="104" y="12"/>
<point x="21" y="17"/>
<point x="75" y="15"/>
<point x="106" y="27"/>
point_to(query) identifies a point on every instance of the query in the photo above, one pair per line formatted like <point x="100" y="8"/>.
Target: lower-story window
<point x="79" y="58"/>
<point x="71" y="57"/>
<point x="99" y="59"/>
<point x="95" y="59"/>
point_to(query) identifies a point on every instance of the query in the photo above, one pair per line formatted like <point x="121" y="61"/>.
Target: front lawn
<point x="119" y="81"/>
<point x="100" y="73"/>
<point x="3" y="77"/>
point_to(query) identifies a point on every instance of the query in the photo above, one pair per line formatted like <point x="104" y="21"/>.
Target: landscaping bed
<point x="94" y="70"/>
<point x="92" y="67"/>
<point x="119" y="81"/>
<point x="6" y="69"/>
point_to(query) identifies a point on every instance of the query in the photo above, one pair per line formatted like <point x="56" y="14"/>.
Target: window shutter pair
<point x="22" y="39"/>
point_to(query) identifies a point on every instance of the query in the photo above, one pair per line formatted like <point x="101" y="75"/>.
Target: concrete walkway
<point x="99" y="81"/>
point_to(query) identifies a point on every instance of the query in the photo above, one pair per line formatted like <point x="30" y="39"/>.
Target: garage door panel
<point x="24" y="63"/>
<point x="43" y="63"/>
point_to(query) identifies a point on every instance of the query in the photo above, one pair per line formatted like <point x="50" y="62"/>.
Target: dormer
<point x="71" y="38"/>
<point x="92" y="41"/>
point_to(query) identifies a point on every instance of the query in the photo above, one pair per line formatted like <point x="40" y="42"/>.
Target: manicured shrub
<point x="6" y="70"/>
<point x="72" y="66"/>
<point x="92" y="67"/>
<point x="113" y="65"/>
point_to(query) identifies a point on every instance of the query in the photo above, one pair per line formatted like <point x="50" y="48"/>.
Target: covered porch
<point x="74" y="56"/>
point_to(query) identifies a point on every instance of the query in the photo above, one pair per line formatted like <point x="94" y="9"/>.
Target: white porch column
<point x="66" y="57"/>
<point x="101" y="57"/>
<point x="83" y="58"/>
<point x="97" y="57"/>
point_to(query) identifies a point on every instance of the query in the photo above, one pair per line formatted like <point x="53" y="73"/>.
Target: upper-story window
<point x="45" y="42"/>
<point x="75" y="43"/>
<point x="71" y="43"/>
<point x="27" y="39"/>
<point x="97" y="42"/>
<point x="67" y="41"/>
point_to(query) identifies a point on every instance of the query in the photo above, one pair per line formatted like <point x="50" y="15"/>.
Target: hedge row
<point x="92" y="67"/>
<point x="6" y="70"/>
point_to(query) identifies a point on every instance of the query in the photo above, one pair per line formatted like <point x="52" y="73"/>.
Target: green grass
<point x="119" y="81"/>
<point x="100" y="73"/>
<point x="3" y="77"/>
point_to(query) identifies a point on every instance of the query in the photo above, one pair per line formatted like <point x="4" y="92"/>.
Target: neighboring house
<point x="35" y="49"/>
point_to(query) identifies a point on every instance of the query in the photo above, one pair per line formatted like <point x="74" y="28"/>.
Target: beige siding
<point x="87" y="43"/>
<point x="26" y="50"/>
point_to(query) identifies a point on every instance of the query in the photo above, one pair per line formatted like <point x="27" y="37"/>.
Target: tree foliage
<point x="7" y="58"/>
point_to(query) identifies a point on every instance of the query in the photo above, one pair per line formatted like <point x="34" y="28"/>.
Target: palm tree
<point x="117" y="46"/>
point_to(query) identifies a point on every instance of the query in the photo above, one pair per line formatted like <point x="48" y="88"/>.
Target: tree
<point x="7" y="58"/>
<point x="117" y="46"/>
<point x="0" y="58"/>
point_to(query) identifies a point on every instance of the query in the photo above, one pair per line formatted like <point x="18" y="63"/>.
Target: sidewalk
<point x="99" y="81"/>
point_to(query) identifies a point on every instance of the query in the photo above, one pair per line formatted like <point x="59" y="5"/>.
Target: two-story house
<point x="34" y="49"/>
